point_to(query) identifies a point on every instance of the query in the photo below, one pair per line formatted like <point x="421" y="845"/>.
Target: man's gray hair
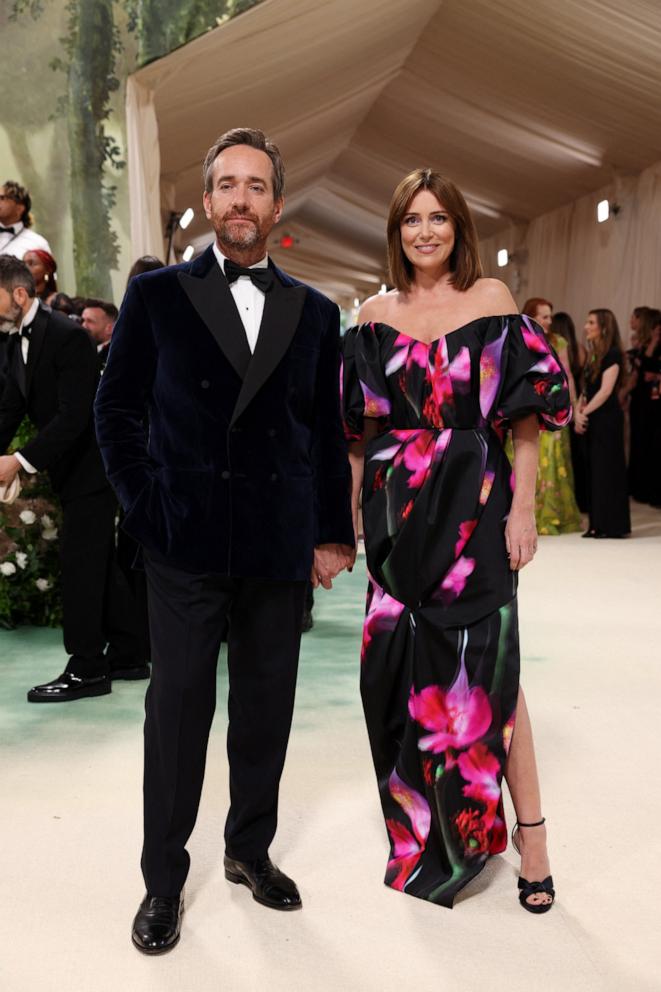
<point x="15" y="273"/>
<point x="254" y="138"/>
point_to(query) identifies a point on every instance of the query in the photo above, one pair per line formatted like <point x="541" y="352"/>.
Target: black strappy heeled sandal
<point x="532" y="888"/>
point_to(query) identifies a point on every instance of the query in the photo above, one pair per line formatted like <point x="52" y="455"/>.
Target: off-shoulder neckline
<point x="441" y="337"/>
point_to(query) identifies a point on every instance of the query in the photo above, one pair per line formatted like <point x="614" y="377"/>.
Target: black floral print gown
<point x="440" y="652"/>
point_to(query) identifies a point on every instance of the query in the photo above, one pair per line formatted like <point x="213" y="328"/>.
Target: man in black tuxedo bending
<point x="240" y="490"/>
<point x="52" y="374"/>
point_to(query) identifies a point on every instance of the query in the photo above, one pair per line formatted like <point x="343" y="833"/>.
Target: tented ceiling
<point x="527" y="106"/>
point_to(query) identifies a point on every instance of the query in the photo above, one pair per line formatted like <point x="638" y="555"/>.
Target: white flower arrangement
<point x="21" y="559"/>
<point x="7" y="568"/>
<point x="46" y="521"/>
<point x="28" y="516"/>
<point x="42" y="584"/>
<point x="49" y="534"/>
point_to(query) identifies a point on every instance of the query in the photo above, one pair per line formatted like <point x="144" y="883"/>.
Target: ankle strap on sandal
<point x="538" y="824"/>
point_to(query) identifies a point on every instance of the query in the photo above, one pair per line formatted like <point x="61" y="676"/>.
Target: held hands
<point x="520" y="538"/>
<point x="580" y="419"/>
<point x="9" y="467"/>
<point x="329" y="561"/>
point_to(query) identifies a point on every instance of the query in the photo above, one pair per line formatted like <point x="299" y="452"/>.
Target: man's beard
<point x="10" y="321"/>
<point x="240" y="235"/>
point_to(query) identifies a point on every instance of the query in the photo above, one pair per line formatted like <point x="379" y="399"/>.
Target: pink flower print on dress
<point x="455" y="580"/>
<point x="407" y="352"/>
<point x="460" y="370"/>
<point x="407" y="846"/>
<point x="508" y="730"/>
<point x="466" y="528"/>
<point x="375" y="405"/>
<point x="490" y="364"/>
<point x="487" y="485"/>
<point x="533" y="336"/>
<point x="479" y="768"/>
<point x="383" y="614"/>
<point x="457" y="718"/>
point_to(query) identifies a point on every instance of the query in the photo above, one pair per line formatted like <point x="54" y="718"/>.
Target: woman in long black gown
<point x="432" y="378"/>
<point x="602" y="420"/>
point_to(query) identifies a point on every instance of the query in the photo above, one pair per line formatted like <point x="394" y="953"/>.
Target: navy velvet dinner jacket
<point x="244" y="467"/>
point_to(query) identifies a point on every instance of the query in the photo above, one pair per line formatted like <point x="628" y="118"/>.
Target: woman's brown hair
<point x="465" y="258"/>
<point x="608" y="338"/>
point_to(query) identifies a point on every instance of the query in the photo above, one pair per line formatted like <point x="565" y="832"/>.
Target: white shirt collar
<point x="31" y="314"/>
<point x="221" y="259"/>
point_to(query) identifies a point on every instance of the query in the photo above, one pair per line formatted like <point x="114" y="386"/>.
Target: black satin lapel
<point x="282" y="312"/>
<point x="36" y="344"/>
<point x="213" y="300"/>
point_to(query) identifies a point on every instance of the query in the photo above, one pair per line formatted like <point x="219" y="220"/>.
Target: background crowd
<point x="611" y="451"/>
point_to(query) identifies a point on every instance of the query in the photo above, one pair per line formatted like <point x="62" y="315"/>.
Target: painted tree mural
<point x="97" y="35"/>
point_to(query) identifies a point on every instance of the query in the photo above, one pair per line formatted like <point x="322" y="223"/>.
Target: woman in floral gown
<point x="432" y="378"/>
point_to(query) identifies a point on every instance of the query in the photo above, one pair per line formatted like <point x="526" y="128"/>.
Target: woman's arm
<point x="521" y="529"/>
<point x="608" y="380"/>
<point x="357" y="462"/>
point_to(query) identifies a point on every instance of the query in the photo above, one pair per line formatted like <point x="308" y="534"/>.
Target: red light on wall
<point x="286" y="241"/>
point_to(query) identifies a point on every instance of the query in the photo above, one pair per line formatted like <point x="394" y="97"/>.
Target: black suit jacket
<point x="56" y="390"/>
<point x="244" y="468"/>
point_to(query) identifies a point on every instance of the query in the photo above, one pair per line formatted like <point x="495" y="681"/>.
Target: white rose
<point x="7" y="568"/>
<point x="49" y="534"/>
<point x="42" y="584"/>
<point x="46" y="521"/>
<point x="21" y="559"/>
<point x="27" y="516"/>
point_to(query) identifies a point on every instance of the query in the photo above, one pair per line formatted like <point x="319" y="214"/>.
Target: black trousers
<point x="187" y="615"/>
<point x="97" y="605"/>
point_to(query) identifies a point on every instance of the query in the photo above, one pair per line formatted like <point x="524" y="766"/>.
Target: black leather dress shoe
<point x="268" y="884"/>
<point x="157" y="924"/>
<point x="70" y="686"/>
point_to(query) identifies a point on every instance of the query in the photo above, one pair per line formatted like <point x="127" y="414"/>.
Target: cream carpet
<point x="70" y="785"/>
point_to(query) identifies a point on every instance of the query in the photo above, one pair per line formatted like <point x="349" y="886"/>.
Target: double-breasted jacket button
<point x="271" y="432"/>
<point x="274" y="477"/>
<point x="225" y="474"/>
<point x="205" y="384"/>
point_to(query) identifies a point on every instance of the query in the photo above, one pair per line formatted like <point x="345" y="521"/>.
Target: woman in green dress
<point x="556" y="510"/>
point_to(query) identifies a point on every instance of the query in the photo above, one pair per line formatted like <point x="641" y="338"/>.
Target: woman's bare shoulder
<point x="377" y="307"/>
<point x="494" y="297"/>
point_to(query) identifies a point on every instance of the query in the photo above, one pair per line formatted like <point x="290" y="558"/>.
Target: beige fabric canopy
<point x="527" y="106"/>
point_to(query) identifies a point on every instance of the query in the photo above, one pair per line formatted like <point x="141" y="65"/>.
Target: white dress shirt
<point x="25" y="348"/>
<point x="23" y="239"/>
<point x="249" y="298"/>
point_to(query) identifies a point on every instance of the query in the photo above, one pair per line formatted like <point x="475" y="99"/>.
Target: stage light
<point x="286" y="241"/>
<point x="356" y="302"/>
<point x="383" y="290"/>
<point x="502" y="257"/>
<point x="603" y="211"/>
<point x="189" y="251"/>
<point x="186" y="217"/>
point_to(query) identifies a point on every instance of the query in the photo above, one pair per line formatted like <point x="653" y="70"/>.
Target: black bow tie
<point x="262" y="278"/>
<point x="7" y="230"/>
<point x="26" y="332"/>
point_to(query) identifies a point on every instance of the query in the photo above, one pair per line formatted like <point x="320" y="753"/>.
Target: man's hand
<point x="329" y="561"/>
<point x="9" y="467"/>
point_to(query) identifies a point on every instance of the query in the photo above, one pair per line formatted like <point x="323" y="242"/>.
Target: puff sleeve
<point x="362" y="381"/>
<point x="521" y="374"/>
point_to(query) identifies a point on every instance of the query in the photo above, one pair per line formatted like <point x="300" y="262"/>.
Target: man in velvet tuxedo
<point x="52" y="374"/>
<point x="240" y="490"/>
